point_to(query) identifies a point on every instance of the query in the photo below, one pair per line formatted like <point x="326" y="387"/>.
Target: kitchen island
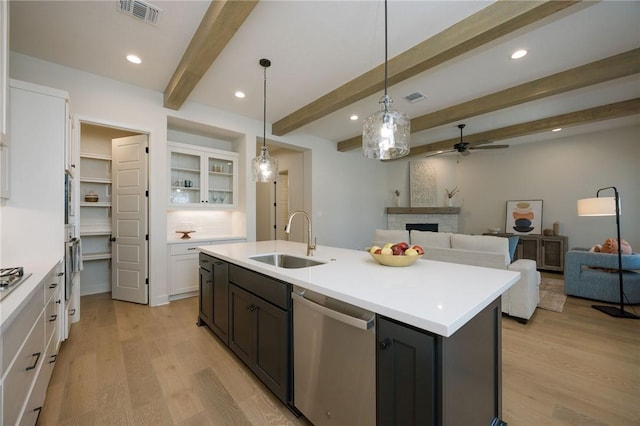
<point x="447" y="314"/>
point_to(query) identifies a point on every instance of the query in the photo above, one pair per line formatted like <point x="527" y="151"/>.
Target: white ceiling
<point x="316" y="46"/>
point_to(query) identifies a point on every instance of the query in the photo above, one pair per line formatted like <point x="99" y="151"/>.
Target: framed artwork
<point x="524" y="217"/>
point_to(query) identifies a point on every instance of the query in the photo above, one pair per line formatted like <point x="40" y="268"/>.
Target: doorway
<point x="274" y="202"/>
<point x="113" y="226"/>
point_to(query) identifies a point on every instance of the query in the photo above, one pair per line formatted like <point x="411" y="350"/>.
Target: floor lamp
<point x="608" y="206"/>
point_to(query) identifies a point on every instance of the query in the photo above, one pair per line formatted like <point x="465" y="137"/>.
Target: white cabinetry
<point x="4" y="72"/>
<point x="202" y="177"/>
<point x="30" y="343"/>
<point x="4" y="99"/>
<point x="184" y="265"/>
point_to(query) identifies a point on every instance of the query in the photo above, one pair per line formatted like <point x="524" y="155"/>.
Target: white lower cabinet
<point x="30" y="344"/>
<point x="183" y="267"/>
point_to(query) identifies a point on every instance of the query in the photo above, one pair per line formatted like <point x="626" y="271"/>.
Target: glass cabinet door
<point x="220" y="181"/>
<point x="202" y="177"/>
<point x="185" y="178"/>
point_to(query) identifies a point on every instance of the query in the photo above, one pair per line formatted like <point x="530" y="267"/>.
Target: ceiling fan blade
<point x="489" y="147"/>
<point x="433" y="154"/>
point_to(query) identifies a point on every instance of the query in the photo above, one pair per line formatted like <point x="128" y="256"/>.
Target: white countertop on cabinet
<point x="201" y="237"/>
<point x="38" y="267"/>
<point x="435" y="296"/>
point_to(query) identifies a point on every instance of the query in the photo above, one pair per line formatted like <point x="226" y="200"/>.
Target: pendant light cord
<point x="264" y="110"/>
<point x="385" y="48"/>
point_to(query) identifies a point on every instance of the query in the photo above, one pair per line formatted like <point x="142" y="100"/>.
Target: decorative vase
<point x="397" y="201"/>
<point x="450" y="202"/>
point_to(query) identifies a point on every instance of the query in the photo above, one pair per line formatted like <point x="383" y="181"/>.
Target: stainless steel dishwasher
<point x="334" y="360"/>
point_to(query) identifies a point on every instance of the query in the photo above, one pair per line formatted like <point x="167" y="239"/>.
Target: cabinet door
<point x="185" y="183"/>
<point x="241" y="307"/>
<point x="184" y="277"/>
<point x="528" y="249"/>
<point x="552" y="253"/>
<point x="206" y="293"/>
<point x="405" y="368"/>
<point x="272" y="348"/>
<point x="220" y="324"/>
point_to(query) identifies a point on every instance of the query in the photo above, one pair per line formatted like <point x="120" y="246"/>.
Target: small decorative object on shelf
<point x="397" y="194"/>
<point x="91" y="197"/>
<point x="185" y="235"/>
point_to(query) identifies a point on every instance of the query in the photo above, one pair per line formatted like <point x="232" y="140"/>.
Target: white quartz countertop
<point x="196" y="238"/>
<point x="435" y="296"/>
<point x="38" y="267"/>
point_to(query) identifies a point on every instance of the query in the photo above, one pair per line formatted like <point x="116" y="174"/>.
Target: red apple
<point x="378" y="251"/>
<point x="397" y="250"/>
<point x="403" y="245"/>
<point x="419" y="249"/>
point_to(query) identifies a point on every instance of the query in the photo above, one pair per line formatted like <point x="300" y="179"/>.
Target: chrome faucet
<point x="287" y="229"/>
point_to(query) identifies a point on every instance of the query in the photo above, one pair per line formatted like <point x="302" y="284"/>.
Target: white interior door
<point x="129" y="219"/>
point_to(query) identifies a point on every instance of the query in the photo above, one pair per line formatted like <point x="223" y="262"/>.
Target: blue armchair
<point x="595" y="276"/>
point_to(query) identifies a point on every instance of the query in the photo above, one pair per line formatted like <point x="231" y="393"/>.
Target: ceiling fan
<point x="463" y="148"/>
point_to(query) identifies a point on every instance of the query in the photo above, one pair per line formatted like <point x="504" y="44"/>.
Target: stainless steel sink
<point x="287" y="261"/>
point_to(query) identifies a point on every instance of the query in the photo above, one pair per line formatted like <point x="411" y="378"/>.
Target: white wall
<point x="559" y="172"/>
<point x="348" y="190"/>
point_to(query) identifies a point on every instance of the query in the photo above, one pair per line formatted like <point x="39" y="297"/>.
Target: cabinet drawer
<point x="52" y="316"/>
<point x="186" y="248"/>
<point x="22" y="373"/>
<point x="271" y="290"/>
<point x="36" y="399"/>
<point x="53" y="281"/>
<point x="14" y="335"/>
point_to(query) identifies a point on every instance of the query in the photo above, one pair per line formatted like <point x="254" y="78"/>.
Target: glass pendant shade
<point x="386" y="133"/>
<point x="265" y="167"/>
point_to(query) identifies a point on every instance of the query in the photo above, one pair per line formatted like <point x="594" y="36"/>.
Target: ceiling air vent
<point x="415" y="97"/>
<point x="140" y="10"/>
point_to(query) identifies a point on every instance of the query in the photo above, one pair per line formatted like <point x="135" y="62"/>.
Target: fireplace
<point x="421" y="227"/>
<point x="445" y="218"/>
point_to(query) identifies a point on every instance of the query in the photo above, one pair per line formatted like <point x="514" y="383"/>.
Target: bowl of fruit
<point x="398" y="254"/>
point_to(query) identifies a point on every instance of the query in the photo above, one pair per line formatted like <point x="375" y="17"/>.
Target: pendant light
<point x="386" y="133"/>
<point x="265" y="167"/>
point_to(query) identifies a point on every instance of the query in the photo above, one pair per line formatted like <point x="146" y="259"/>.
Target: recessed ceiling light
<point x="557" y="129"/>
<point x="134" y="59"/>
<point x="519" y="54"/>
<point x="353" y="117"/>
<point x="240" y="94"/>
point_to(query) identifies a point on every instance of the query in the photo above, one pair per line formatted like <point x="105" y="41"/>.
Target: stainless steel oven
<point x="69" y="212"/>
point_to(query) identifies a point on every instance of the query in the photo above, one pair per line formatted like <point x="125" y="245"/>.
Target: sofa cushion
<point x="384" y="236"/>
<point x="480" y="243"/>
<point x="429" y="239"/>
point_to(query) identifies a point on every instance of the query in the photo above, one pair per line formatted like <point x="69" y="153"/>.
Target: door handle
<point x="363" y="324"/>
<point x="53" y="317"/>
<point x="112" y="239"/>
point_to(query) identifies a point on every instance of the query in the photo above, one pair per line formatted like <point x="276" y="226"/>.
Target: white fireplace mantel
<point x="445" y="217"/>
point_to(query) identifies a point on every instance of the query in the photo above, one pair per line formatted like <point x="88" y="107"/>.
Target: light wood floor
<point x="127" y="364"/>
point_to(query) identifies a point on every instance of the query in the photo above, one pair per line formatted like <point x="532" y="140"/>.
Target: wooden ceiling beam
<point x="599" y="113"/>
<point x="611" y="68"/>
<point x="490" y="23"/>
<point x="218" y="26"/>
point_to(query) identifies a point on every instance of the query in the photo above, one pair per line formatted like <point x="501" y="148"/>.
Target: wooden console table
<point x="547" y="251"/>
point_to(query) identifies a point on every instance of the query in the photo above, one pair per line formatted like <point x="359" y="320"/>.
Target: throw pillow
<point x="513" y="243"/>
<point x="611" y="246"/>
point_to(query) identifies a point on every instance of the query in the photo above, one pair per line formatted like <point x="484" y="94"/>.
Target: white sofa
<point x="520" y="301"/>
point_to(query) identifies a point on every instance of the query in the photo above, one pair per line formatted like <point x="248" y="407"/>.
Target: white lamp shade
<point x="386" y="135"/>
<point x="600" y="206"/>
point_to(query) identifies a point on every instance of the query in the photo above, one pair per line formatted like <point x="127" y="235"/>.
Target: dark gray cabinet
<point x="427" y="379"/>
<point x="260" y="328"/>
<point x="214" y="296"/>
